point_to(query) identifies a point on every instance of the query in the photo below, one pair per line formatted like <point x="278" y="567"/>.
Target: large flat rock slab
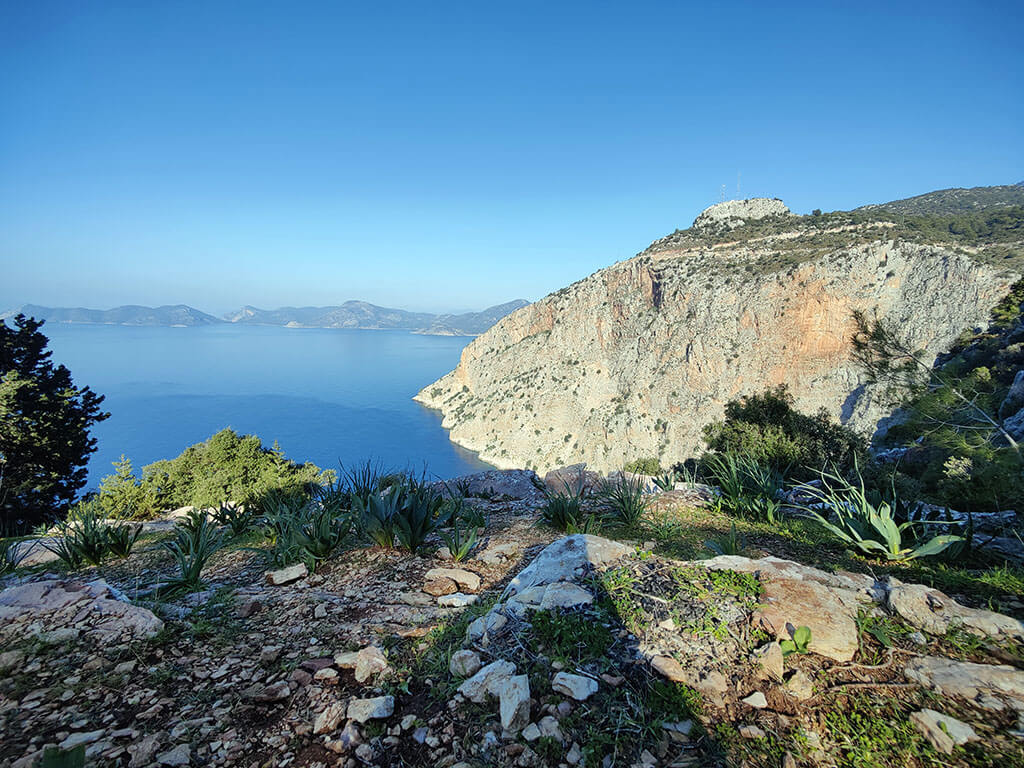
<point x="990" y="686"/>
<point x="566" y="560"/>
<point x="75" y="607"/>
<point x="936" y="613"/>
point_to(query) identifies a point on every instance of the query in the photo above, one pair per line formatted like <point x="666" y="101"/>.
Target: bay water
<point x="326" y="395"/>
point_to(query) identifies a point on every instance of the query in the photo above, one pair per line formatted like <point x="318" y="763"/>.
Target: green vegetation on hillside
<point x="956" y="200"/>
<point x="958" y="452"/>
<point x="767" y="428"/>
<point x="993" y="235"/>
<point x="226" y="467"/>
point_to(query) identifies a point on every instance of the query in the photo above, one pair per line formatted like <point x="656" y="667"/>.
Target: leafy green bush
<point x="768" y="429"/>
<point x="646" y="466"/>
<point x="197" y="539"/>
<point x="622" y="499"/>
<point x="123" y="495"/>
<point x="875" y="528"/>
<point x="228" y="467"/>
<point x="958" y="453"/>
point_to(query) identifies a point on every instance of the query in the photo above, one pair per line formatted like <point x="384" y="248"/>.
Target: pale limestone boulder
<point x="439" y="587"/>
<point x="989" y="686"/>
<point x="831" y="615"/>
<point x="514" y="702"/>
<point x="769" y="657"/>
<point x="574" y="479"/>
<point x="377" y="708"/>
<point x="487" y="681"/>
<point x="935" y="613"/>
<point x="457" y="600"/>
<point x="466" y="580"/>
<point x="564" y="594"/>
<point x="56" y="608"/>
<point x="328" y="720"/>
<point x="943" y="731"/>
<point x="566" y="560"/>
<point x="481" y="628"/>
<point x="574" y="686"/>
<point x="464" y="663"/>
<point x="346" y="659"/>
<point x="287" y="575"/>
<point x="370" y="661"/>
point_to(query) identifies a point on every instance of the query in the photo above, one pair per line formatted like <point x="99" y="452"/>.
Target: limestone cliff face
<point x="634" y="360"/>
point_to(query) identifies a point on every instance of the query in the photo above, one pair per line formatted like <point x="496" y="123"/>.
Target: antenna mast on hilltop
<point x="722" y="195"/>
<point x="738" y="195"/>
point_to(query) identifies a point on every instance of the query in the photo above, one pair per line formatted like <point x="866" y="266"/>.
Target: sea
<point x="330" y="396"/>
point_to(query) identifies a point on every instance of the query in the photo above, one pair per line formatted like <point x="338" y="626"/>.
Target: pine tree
<point x="44" y="428"/>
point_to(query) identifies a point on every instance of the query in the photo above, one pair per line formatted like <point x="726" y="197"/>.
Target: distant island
<point x="351" y="314"/>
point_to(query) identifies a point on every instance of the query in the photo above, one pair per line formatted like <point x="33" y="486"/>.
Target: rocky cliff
<point x="635" y="359"/>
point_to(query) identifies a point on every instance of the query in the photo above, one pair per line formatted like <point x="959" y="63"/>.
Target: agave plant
<point x="238" y="518"/>
<point x="747" y="487"/>
<point x="623" y="499"/>
<point x="462" y="485"/>
<point x="666" y="481"/>
<point x="376" y="515"/>
<point x="323" y="532"/>
<point x="564" y="511"/>
<point x="417" y="515"/>
<point x="733" y="543"/>
<point x="81" y="538"/>
<point x="283" y="519"/>
<point x="11" y="555"/>
<point x="121" y="538"/>
<point x="869" y="526"/>
<point x="362" y="481"/>
<point x="196" y="540"/>
<point x="466" y="523"/>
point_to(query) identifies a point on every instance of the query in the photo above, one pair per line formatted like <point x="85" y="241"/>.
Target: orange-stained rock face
<point x="634" y="360"/>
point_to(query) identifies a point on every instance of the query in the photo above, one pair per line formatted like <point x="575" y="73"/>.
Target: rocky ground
<point x="539" y="649"/>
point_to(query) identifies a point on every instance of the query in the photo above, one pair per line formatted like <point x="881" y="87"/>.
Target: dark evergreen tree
<point x="44" y="428"/>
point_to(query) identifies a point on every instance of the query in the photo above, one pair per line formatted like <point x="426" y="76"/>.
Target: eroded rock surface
<point x="635" y="359"/>
<point x="72" y="607"/>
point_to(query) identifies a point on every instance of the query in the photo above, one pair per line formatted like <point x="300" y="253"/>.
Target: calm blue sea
<point x="325" y="395"/>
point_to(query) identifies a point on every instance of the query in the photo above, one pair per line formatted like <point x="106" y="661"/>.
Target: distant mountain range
<point x="351" y="314"/>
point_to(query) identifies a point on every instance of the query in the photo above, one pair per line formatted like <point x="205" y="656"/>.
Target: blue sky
<point x="452" y="155"/>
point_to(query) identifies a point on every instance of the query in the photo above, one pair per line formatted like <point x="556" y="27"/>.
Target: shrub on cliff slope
<point x="227" y="467"/>
<point x="768" y="429"/>
<point x="954" y="415"/>
<point x="44" y="428"/>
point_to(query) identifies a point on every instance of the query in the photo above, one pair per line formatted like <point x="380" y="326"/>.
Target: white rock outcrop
<point x="735" y="213"/>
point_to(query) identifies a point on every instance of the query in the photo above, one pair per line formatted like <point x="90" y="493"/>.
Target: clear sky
<point x="452" y="155"/>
